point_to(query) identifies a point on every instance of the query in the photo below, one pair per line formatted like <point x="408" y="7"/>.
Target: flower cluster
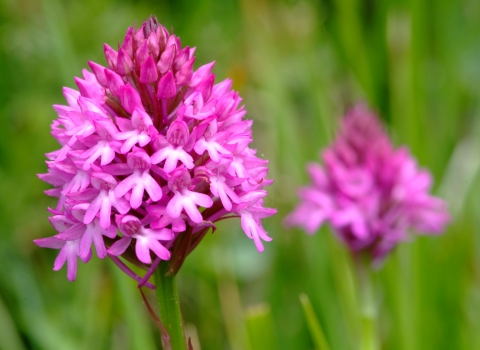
<point x="152" y="154"/>
<point x="369" y="192"/>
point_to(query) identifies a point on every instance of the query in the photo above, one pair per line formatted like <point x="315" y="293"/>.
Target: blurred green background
<point x="298" y="65"/>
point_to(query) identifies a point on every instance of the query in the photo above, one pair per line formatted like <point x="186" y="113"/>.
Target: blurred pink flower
<point x="369" y="192"/>
<point x="152" y="154"/>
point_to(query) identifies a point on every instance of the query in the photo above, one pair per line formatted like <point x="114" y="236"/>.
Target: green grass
<point x="298" y="65"/>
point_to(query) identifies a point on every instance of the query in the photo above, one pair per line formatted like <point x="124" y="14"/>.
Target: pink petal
<point x="137" y="196"/>
<point x="142" y="250"/>
<point x="61" y="258"/>
<point x="72" y="262"/>
<point x="153" y="188"/>
<point x="105" y="212"/>
<point x="200" y="199"/>
<point x="130" y="142"/>
<point x="86" y="243"/>
<point x="73" y="233"/>
<point x="119" y="203"/>
<point x="192" y="211"/>
<point x="99" y="245"/>
<point x="159" y="250"/>
<point x="120" y="246"/>
<point x="94" y="208"/>
<point x="49" y="242"/>
<point x="175" y="205"/>
<point x="107" y="155"/>
<point x="126" y="185"/>
<point x="159" y="155"/>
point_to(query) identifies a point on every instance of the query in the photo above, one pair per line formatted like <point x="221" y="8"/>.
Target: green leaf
<point x="313" y="324"/>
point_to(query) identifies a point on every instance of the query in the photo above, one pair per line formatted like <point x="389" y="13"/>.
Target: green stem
<point x="169" y="306"/>
<point x="368" y="309"/>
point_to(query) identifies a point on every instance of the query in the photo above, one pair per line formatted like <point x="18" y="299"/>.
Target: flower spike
<point x="369" y="192"/>
<point x="152" y="154"/>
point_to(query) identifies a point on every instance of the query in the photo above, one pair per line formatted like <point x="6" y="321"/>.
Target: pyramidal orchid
<point x="370" y="193"/>
<point x="152" y="154"/>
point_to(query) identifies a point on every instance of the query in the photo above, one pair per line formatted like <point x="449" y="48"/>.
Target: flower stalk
<point x="169" y="307"/>
<point x="368" y="307"/>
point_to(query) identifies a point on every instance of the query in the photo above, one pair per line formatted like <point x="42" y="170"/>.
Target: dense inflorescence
<point x="368" y="191"/>
<point x="152" y="154"/>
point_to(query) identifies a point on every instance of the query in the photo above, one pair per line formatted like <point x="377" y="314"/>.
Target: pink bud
<point x="148" y="71"/>
<point x="173" y="40"/>
<point x="99" y="72"/>
<point x="222" y="88"/>
<point x="183" y="76"/>
<point x="163" y="35"/>
<point x="166" y="59"/>
<point x="88" y="89"/>
<point x="130" y="99"/>
<point x="205" y="87"/>
<point x="114" y="82"/>
<point x="166" y="86"/>
<point x="111" y="56"/>
<point x="152" y="44"/>
<point x="150" y="25"/>
<point x="128" y="42"/>
<point x="139" y="37"/>
<point x="141" y="55"/>
<point x="201" y="73"/>
<point x="192" y="52"/>
<point x="71" y="96"/>
<point x="124" y="63"/>
<point x="181" y="58"/>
